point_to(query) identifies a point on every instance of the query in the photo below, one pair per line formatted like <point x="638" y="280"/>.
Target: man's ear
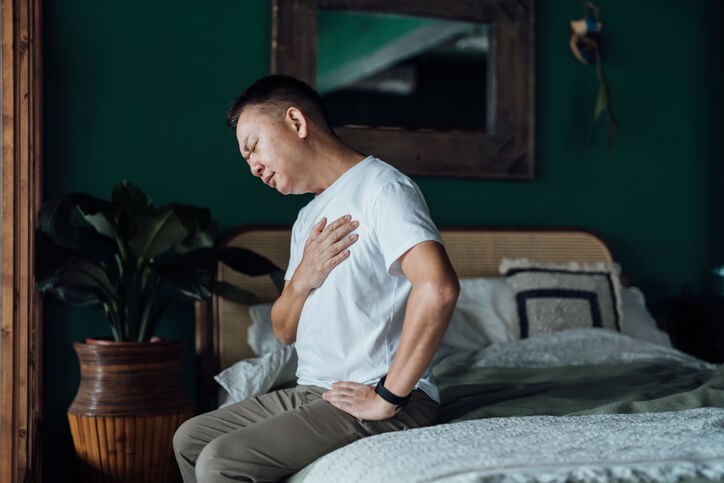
<point x="298" y="121"/>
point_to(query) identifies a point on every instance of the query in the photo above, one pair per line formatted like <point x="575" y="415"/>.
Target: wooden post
<point x="20" y="318"/>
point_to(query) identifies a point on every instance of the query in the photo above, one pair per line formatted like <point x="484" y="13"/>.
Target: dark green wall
<point x="138" y="90"/>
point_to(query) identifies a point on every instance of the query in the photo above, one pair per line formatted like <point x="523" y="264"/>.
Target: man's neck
<point x="332" y="162"/>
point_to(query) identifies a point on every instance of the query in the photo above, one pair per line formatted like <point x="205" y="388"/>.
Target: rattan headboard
<point x="222" y="325"/>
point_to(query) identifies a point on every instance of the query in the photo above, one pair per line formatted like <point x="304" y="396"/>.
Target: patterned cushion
<point x="552" y="297"/>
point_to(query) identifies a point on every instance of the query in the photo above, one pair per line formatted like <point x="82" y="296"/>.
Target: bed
<point x="552" y="370"/>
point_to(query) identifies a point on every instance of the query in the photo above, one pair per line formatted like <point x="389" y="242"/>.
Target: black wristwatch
<point x="391" y="398"/>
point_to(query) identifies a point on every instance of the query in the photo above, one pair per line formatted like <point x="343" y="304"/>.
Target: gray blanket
<point x="646" y="386"/>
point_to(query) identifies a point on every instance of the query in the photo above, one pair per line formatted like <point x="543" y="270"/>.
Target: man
<point x="368" y="296"/>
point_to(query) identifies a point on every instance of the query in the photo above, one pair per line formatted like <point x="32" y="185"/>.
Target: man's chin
<point x="288" y="190"/>
<point x="282" y="190"/>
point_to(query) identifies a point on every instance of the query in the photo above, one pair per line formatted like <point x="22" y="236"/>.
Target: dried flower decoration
<point x="585" y="44"/>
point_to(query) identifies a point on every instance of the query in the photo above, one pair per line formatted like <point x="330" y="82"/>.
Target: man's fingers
<point x="343" y="388"/>
<point x="342" y="384"/>
<point x="341" y="221"/>
<point x="340" y="402"/>
<point x="336" y="260"/>
<point x="340" y="227"/>
<point x="318" y="229"/>
<point x="346" y="394"/>
<point x="342" y="244"/>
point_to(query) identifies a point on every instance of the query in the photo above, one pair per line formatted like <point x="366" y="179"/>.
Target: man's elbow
<point x="446" y="292"/>
<point x="281" y="330"/>
<point x="285" y="337"/>
<point x="449" y="292"/>
<point x="440" y="298"/>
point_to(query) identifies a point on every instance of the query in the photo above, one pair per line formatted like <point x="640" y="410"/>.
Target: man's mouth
<point x="267" y="180"/>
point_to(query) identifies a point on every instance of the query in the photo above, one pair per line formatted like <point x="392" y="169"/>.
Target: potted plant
<point x="133" y="259"/>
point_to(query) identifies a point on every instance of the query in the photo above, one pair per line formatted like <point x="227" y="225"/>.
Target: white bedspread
<point x="600" y="448"/>
<point x="662" y="447"/>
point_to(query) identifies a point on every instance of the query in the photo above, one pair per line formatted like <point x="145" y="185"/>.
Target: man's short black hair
<point x="274" y="94"/>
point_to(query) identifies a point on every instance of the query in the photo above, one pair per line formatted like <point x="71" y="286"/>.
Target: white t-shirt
<point x="350" y="326"/>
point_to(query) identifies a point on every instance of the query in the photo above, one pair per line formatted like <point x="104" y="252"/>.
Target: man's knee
<point x="182" y="438"/>
<point x="224" y="456"/>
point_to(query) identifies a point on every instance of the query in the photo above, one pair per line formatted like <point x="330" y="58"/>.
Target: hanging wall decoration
<point x="585" y="43"/>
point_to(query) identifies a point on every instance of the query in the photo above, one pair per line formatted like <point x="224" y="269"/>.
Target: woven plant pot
<point x="129" y="404"/>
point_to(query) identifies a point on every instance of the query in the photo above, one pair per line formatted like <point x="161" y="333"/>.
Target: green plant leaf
<point x="132" y="198"/>
<point x="50" y="256"/>
<point x="79" y="282"/>
<point x="193" y="281"/>
<point x="201" y="239"/>
<point x="193" y="218"/>
<point x="71" y="295"/>
<point x="198" y="223"/>
<point x="103" y="225"/>
<point x="131" y="201"/>
<point x="156" y="235"/>
<point x="234" y="293"/>
<point x="63" y="221"/>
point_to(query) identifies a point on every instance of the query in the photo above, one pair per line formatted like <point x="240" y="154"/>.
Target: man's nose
<point x="256" y="168"/>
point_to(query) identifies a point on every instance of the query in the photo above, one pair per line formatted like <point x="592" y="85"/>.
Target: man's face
<point x="269" y="145"/>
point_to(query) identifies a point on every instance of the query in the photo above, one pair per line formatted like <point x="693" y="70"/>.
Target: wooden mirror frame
<point x="504" y="151"/>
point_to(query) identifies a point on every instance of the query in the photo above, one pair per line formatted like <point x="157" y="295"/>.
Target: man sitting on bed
<point x="368" y="296"/>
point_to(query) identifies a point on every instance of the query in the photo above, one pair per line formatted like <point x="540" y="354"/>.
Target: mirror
<point x="434" y="88"/>
<point x="387" y="70"/>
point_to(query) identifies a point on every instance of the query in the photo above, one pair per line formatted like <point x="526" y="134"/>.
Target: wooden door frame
<point x="20" y="196"/>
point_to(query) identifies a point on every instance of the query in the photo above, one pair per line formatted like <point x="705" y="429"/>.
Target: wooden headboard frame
<point x="475" y="252"/>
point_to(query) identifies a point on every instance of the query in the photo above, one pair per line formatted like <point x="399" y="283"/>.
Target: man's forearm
<point x="287" y="310"/>
<point x="429" y="308"/>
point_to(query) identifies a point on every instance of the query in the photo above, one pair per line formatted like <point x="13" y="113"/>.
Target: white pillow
<point x="251" y="377"/>
<point x="482" y="315"/>
<point x="637" y="321"/>
<point x="260" y="335"/>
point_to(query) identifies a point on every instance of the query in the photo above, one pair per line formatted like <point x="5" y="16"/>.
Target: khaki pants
<point x="270" y="437"/>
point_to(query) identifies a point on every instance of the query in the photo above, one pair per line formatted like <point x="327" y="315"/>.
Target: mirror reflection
<point x="384" y="70"/>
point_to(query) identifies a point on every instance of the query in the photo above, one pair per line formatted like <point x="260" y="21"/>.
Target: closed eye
<point x="247" y="147"/>
<point x="248" y="151"/>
